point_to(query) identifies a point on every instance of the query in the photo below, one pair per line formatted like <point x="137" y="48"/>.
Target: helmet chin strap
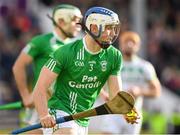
<point x="54" y="22"/>
<point x="102" y="45"/>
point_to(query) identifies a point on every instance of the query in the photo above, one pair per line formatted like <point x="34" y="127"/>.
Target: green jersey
<point x="81" y="75"/>
<point x="39" y="48"/>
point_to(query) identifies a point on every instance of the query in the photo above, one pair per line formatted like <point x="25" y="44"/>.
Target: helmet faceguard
<point x="102" y="17"/>
<point x="67" y="13"/>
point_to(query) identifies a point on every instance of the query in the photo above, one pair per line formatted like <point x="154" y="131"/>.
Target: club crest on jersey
<point x="103" y="65"/>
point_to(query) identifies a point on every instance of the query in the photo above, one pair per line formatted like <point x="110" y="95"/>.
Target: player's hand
<point x="47" y="121"/>
<point x="28" y="101"/>
<point x="132" y="117"/>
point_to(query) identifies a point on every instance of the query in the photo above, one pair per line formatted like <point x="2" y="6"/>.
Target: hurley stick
<point x="122" y="103"/>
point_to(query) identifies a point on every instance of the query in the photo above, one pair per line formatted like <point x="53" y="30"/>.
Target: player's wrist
<point x="44" y="116"/>
<point x="26" y="94"/>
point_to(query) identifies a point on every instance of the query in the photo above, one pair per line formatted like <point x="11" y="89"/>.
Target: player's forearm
<point x="147" y="93"/>
<point x="21" y="80"/>
<point x="40" y="101"/>
<point x="153" y="90"/>
<point x="114" y="85"/>
<point x="46" y="78"/>
<point x="104" y="95"/>
<point x="152" y="93"/>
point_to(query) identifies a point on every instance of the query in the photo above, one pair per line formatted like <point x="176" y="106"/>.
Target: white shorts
<point x="113" y="124"/>
<point x="71" y="124"/>
<point x="105" y="123"/>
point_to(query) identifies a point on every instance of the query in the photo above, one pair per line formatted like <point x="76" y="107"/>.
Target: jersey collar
<point x="85" y="47"/>
<point x="56" y="36"/>
<point x="59" y="38"/>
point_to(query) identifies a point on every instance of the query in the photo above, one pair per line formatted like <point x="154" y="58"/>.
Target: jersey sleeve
<point x="32" y="48"/>
<point x="57" y="61"/>
<point x="117" y="66"/>
<point x="149" y="72"/>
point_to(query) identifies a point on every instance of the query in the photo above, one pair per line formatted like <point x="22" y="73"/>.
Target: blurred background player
<point x="80" y="70"/>
<point x="65" y="18"/>
<point x="138" y="77"/>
